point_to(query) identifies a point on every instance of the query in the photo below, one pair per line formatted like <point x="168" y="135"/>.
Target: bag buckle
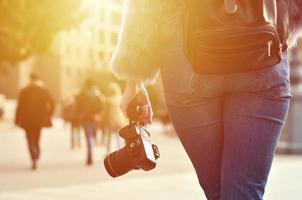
<point x="230" y="6"/>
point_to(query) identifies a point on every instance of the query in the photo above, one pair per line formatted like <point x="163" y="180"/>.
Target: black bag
<point x="231" y="36"/>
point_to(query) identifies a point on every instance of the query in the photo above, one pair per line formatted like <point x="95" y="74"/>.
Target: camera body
<point x="138" y="153"/>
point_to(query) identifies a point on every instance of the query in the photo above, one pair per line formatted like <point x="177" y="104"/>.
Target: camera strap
<point x="144" y="128"/>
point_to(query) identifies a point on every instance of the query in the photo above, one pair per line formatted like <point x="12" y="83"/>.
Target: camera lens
<point x="118" y="163"/>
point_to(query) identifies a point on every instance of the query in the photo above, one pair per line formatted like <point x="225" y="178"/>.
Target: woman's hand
<point x="136" y="92"/>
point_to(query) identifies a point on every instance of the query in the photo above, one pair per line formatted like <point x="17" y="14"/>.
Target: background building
<point x="76" y="52"/>
<point x="90" y="46"/>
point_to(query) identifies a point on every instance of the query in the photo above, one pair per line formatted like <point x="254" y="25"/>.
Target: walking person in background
<point x="112" y="117"/>
<point x="34" y="111"/>
<point x="89" y="104"/>
<point x="225" y="73"/>
<point x="2" y="100"/>
<point x="71" y="116"/>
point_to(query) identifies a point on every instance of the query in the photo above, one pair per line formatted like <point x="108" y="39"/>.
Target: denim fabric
<point x="228" y="124"/>
<point x="33" y="142"/>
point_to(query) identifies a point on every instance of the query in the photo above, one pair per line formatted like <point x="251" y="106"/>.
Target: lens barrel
<point x="118" y="163"/>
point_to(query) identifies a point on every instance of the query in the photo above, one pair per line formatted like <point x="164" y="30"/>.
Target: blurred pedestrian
<point x="89" y="107"/>
<point x="71" y="116"/>
<point x="2" y="101"/>
<point x="112" y="118"/>
<point x="34" y="111"/>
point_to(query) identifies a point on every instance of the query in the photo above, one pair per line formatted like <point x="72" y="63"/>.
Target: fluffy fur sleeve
<point x="295" y="20"/>
<point x="138" y="53"/>
<point x="141" y="39"/>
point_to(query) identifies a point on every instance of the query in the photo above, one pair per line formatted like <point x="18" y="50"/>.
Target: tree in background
<point x="29" y="26"/>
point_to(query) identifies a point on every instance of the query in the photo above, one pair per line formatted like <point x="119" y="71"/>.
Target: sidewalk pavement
<point x="62" y="174"/>
<point x="174" y="186"/>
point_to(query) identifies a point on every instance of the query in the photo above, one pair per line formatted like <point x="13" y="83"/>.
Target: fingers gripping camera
<point x="139" y="152"/>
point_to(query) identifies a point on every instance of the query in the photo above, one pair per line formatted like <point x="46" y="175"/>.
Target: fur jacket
<point x="145" y="32"/>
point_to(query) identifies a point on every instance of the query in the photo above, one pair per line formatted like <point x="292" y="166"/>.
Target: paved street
<point x="63" y="175"/>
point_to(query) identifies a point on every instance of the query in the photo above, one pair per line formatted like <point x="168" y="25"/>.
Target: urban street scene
<point x="122" y="99"/>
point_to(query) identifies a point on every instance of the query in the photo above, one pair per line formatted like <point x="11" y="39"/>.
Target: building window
<point x="114" y="38"/>
<point x="102" y="55"/>
<point x="116" y="18"/>
<point x="119" y="2"/>
<point x="102" y="37"/>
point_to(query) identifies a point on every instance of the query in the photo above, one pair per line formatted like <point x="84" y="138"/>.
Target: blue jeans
<point x="228" y="124"/>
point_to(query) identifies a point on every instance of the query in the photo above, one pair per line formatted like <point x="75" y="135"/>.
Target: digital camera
<point x="138" y="153"/>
